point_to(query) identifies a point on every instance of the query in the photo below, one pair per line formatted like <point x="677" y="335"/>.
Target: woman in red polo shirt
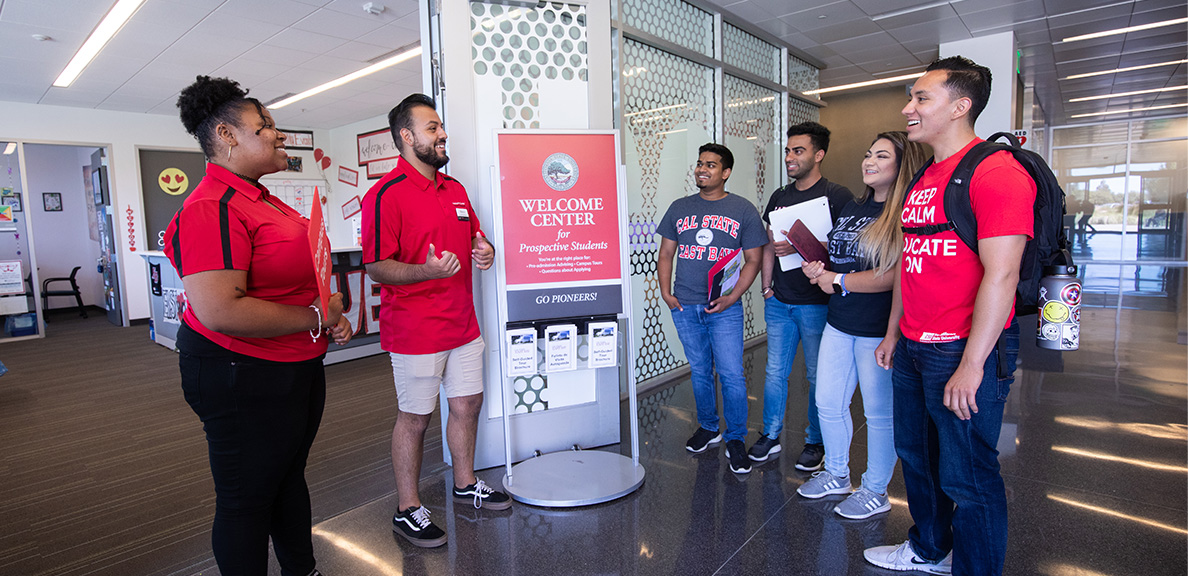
<point x="251" y="343"/>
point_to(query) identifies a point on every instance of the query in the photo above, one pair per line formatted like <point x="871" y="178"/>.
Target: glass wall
<point x="1126" y="186"/>
<point x="684" y="78"/>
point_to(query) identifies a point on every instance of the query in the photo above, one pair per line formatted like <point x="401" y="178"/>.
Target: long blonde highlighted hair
<point x="881" y="242"/>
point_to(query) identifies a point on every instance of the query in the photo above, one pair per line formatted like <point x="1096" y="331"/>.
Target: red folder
<point x="319" y="248"/>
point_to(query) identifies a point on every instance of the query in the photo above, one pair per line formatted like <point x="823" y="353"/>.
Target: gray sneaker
<point x="823" y="484"/>
<point x="863" y="504"/>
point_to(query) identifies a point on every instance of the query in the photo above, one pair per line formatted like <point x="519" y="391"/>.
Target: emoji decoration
<point x="173" y="181"/>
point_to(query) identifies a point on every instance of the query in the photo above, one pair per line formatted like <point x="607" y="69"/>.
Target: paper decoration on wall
<point x="321" y="158"/>
<point x="131" y="228"/>
<point x="173" y="181"/>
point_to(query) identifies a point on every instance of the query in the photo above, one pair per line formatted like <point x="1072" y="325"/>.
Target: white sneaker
<point x="902" y="557"/>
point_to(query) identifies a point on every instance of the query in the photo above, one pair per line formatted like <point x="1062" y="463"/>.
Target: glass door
<point x="19" y="306"/>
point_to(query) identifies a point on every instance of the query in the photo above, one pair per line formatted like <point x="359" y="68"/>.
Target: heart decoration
<point x="325" y="162"/>
<point x="1022" y="140"/>
<point x="318" y="154"/>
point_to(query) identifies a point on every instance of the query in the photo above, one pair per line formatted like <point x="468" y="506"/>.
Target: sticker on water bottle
<point x="1071" y="294"/>
<point x="1070" y="337"/>
<point x="1050" y="331"/>
<point x="1055" y="312"/>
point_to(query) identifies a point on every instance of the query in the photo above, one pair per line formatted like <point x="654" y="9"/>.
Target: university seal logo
<point x="560" y="171"/>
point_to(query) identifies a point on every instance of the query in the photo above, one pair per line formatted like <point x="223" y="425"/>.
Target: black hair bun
<point x="203" y="99"/>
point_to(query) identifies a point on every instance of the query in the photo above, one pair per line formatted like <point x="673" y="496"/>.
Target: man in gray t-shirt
<point x="699" y="231"/>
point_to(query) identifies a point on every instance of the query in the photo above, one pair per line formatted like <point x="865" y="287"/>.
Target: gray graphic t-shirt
<point x="704" y="231"/>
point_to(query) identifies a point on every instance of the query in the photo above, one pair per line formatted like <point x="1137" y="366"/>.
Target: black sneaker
<point x="701" y="440"/>
<point x="736" y="454"/>
<point x="764" y="448"/>
<point x="483" y="496"/>
<point x="415" y="526"/>
<point x="811" y="458"/>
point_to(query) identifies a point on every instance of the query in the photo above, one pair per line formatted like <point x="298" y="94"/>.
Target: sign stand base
<point x="573" y="478"/>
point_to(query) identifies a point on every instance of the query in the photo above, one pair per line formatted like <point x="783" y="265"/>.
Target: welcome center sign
<point x="561" y="224"/>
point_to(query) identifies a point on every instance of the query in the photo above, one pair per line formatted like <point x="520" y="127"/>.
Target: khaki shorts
<point x="419" y="376"/>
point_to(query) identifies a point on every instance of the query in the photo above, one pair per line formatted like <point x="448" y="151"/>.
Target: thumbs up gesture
<point x="444" y="267"/>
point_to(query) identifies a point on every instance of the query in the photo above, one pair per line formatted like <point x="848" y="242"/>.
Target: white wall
<point x="124" y="132"/>
<point x="62" y="239"/>
<point x="996" y="52"/>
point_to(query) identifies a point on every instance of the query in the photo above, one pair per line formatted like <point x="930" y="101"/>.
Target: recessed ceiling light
<point x="863" y="84"/>
<point x="41" y="37"/>
<point x="1132" y="110"/>
<point x="1120" y="70"/>
<point x="1125" y="30"/>
<point x="1134" y="93"/>
<point x="382" y="64"/>
<point x="10" y="148"/>
<point x="107" y="28"/>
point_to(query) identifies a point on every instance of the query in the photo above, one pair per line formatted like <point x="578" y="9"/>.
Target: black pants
<point x="260" y="420"/>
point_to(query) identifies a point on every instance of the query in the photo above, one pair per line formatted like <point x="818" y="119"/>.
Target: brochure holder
<point x="560" y="222"/>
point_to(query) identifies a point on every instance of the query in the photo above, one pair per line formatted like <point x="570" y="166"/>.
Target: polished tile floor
<point x="1094" y="459"/>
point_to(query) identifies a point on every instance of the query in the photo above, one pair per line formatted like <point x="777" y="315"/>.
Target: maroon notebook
<point x="806" y="244"/>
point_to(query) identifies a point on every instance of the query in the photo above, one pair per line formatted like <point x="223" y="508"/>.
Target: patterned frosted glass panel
<point x="801" y="111"/>
<point x="751" y="113"/>
<point x="746" y="52"/>
<point x="1161" y="128"/>
<point x="535" y="59"/>
<point x="668" y="111"/>
<point x="802" y="75"/>
<point x="672" y="20"/>
<point x="530" y="71"/>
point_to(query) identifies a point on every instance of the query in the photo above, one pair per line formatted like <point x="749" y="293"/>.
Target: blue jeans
<point x="788" y="325"/>
<point x="715" y="341"/>
<point x="847" y="363"/>
<point x="950" y="466"/>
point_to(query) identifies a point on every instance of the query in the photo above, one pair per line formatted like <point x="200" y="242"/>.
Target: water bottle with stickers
<point x="1059" y="309"/>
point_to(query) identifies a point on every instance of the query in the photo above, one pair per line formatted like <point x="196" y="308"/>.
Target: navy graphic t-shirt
<point x="856" y="314"/>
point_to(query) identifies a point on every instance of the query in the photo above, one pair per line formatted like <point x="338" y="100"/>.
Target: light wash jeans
<point x="787" y="326"/>
<point x="847" y="362"/>
<point x="715" y="342"/>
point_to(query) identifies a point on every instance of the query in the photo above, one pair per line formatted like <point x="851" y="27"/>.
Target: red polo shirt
<point x="226" y="224"/>
<point x="402" y="214"/>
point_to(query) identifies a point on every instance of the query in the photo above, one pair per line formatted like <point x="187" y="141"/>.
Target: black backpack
<point x="1048" y="246"/>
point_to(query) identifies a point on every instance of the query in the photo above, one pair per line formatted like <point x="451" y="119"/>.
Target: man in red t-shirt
<point x="954" y="307"/>
<point x="420" y="235"/>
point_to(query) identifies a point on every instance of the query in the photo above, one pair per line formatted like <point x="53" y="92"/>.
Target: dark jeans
<point x="950" y="466"/>
<point x="260" y="420"/>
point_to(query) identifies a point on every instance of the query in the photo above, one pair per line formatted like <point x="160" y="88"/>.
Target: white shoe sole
<point x="715" y="440"/>
<point x="775" y="451"/>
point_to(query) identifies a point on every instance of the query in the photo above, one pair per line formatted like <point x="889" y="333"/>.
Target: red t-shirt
<point x="226" y="224"/>
<point x="939" y="274"/>
<point x="402" y="214"/>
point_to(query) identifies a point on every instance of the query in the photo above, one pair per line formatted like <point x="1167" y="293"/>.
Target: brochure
<point x="724" y="274"/>
<point x="813" y="213"/>
<point x="604" y="345"/>
<point x="521" y="352"/>
<point x="560" y="348"/>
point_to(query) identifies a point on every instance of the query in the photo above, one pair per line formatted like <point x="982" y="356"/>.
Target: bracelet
<point x="766" y="289"/>
<point x="842" y="278"/>
<point x="316" y="332"/>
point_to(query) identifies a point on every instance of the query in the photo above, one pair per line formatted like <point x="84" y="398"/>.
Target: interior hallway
<point x="105" y="470"/>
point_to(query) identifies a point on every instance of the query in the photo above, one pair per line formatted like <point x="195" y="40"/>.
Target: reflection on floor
<point x="1093" y="457"/>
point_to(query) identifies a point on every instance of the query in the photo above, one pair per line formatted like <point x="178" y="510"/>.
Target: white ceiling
<point x="277" y="47"/>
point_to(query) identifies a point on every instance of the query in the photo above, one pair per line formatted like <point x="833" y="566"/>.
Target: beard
<point x="803" y="170"/>
<point x="429" y="155"/>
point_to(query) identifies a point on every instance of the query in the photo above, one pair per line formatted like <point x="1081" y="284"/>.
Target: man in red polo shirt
<point x="420" y="235"/>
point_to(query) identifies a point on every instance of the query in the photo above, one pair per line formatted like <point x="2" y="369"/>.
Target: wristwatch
<point x="839" y="282"/>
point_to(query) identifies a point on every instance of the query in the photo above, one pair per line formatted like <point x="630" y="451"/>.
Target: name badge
<point x="463" y="215"/>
